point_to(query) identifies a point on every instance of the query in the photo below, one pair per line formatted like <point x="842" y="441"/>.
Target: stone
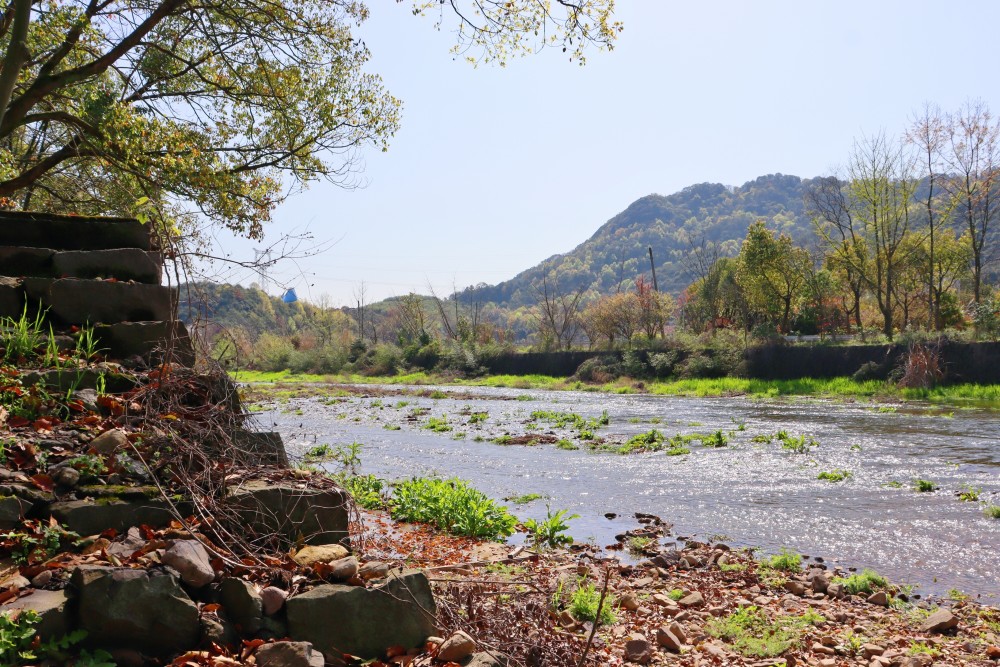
<point x="835" y="590"/>
<point x="323" y="553"/>
<point x="41" y="579"/>
<point x="64" y="475"/>
<point x="309" y="515"/>
<point x="155" y="342"/>
<point x="343" y="569"/>
<point x="373" y="570"/>
<point x="12" y="511"/>
<point x="74" y="301"/>
<point x="941" y="620"/>
<point x="671" y="637"/>
<point x="692" y="600"/>
<point x="242" y="604"/>
<point x="71" y="232"/>
<point x="120" y="263"/>
<point x="86" y="517"/>
<point x="89" y="399"/>
<point x="191" y="560"/>
<point x="879" y="598"/>
<point x="129" y="543"/>
<point x="795" y="587"/>
<point x="638" y="649"/>
<point x="54" y="621"/>
<point x="272" y="599"/>
<point x="485" y="659"/>
<point x="456" y="648"/>
<point x="870" y="651"/>
<point x="288" y="654"/>
<point x="266" y="447"/>
<point x="629" y="602"/>
<point x="128" y="608"/>
<point x="109" y="442"/>
<point x="273" y="627"/>
<point x="215" y="630"/>
<point x="398" y="611"/>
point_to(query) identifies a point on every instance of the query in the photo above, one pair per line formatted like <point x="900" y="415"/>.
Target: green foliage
<point x="584" y="602"/>
<point x="924" y="485"/>
<point x="639" y="544"/>
<point x="21" y="337"/>
<point x="19" y="644"/>
<point x="451" y="505"/>
<point x="650" y="441"/>
<point x="524" y="499"/>
<point x="35" y="541"/>
<point x="438" y="425"/>
<point x="676" y="594"/>
<point x="551" y="532"/>
<point x="478" y="417"/>
<point x="323" y="451"/>
<point x="717" y="439"/>
<point x="867" y="581"/>
<point x="367" y="490"/>
<point x="89" y="465"/>
<point x="992" y="511"/>
<point x="920" y="648"/>
<point x="750" y="632"/>
<point x="566" y="444"/>
<point x="837" y="475"/>
<point x="796" y="444"/>
<point x="969" y="493"/>
<point x="786" y="561"/>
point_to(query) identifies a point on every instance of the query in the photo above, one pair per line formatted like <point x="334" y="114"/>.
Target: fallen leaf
<point x="42" y="481"/>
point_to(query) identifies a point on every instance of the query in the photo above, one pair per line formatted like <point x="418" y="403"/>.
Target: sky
<point x="495" y="169"/>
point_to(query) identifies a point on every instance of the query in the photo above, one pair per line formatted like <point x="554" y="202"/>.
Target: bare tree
<point x="558" y="313"/>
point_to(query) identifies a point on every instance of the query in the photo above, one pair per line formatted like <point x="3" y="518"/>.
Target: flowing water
<point x="747" y="493"/>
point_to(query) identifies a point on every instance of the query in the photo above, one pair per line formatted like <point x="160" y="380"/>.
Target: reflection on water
<point x="750" y="494"/>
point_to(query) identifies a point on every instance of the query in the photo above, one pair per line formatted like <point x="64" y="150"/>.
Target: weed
<point x="438" y="425"/>
<point x="367" y="490"/>
<point x="957" y="595"/>
<point x="35" y="541"/>
<point x="924" y="486"/>
<point x="552" y="531"/>
<point x="401" y="404"/>
<point x="587" y="435"/>
<point x="677" y="450"/>
<point x="459" y="435"/>
<point x="584" y="602"/>
<point x="885" y="409"/>
<point x="837" y="475"/>
<point x="451" y="505"/>
<point x="323" y="451"/>
<point x="392" y="427"/>
<point x="969" y="494"/>
<point x="504" y="439"/>
<point x="20" y="645"/>
<point x="796" y="444"/>
<point x="505" y="569"/>
<point x="753" y="634"/>
<point x="377" y="403"/>
<point x="920" y="648"/>
<point x="676" y="594"/>
<point x="479" y="438"/>
<point x="643" y="442"/>
<point x="634" y="420"/>
<point x="894" y="484"/>
<point x="86" y="345"/>
<point x="566" y="444"/>
<point x="478" y="417"/>
<point x="89" y="465"/>
<point x="992" y="511"/>
<point x="524" y="499"/>
<point x="740" y="425"/>
<point x="525" y="397"/>
<point x="717" y="439"/>
<point x="22" y="336"/>
<point x="856" y="448"/>
<point x="732" y="567"/>
<point x="349" y="457"/>
<point x="786" y="561"/>
<point x="638" y="545"/>
<point x="437" y="394"/>
<point x="868" y="581"/>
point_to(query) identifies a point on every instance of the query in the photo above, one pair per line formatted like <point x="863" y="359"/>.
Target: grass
<point x="584" y="602"/>
<point x="639" y="545"/>
<point x="992" y="511"/>
<point x="969" y="493"/>
<point x="751" y="633"/>
<point x="843" y="387"/>
<point x="650" y="441"/>
<point x="438" y="425"/>
<point x="524" y="499"/>
<point x="21" y="337"/>
<point x="786" y="561"/>
<point x="924" y="486"/>
<point x="676" y="594"/>
<point x="838" y="475"/>
<point x="323" y="451"/>
<point x="867" y="581"/>
<point x="566" y="444"/>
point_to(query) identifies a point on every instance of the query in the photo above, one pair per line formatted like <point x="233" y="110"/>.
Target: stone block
<point x="90" y="517"/>
<point x="155" y="341"/>
<point x="297" y="515"/>
<point x="76" y="301"/>
<point x="50" y="606"/>
<point x="121" y="263"/>
<point x="70" y="232"/>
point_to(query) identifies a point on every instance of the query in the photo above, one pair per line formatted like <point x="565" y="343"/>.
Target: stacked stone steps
<point x="102" y="272"/>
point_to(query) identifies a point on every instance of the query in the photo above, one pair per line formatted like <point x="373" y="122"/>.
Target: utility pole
<point x="656" y="288"/>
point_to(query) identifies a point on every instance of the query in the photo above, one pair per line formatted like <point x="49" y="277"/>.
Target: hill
<point x="673" y="226"/>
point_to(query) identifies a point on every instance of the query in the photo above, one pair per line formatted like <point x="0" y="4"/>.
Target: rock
<point x="272" y="599"/>
<point x="50" y="606"/>
<point x="343" y="569"/>
<point x="242" y="604"/>
<point x="485" y="659"/>
<point x="127" y="657"/>
<point x="288" y="654"/>
<point x="692" y="600"/>
<point x="109" y="442"/>
<point x="941" y="620"/>
<point x="870" y="651"/>
<point x="671" y="637"/>
<point x="879" y="598"/>
<point x="41" y="579"/>
<point x="629" y="602"/>
<point x="662" y="600"/>
<point x="373" y="570"/>
<point x="219" y="631"/>
<point x="273" y="627"/>
<point x="128" y="608"/>
<point x="835" y="590"/>
<point x="993" y="652"/>
<point x="87" y="517"/>
<point x="456" y="648"/>
<point x="65" y="475"/>
<point x="313" y="516"/>
<point x="795" y="587"/>
<point x="397" y="612"/>
<point x="12" y="511"/>
<point x="191" y="560"/>
<point x="638" y="649"/>
<point x="324" y="553"/>
<point x="89" y="399"/>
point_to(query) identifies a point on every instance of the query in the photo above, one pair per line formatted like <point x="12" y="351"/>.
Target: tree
<point x="973" y="157"/>
<point x="558" y="314"/>
<point x="772" y="272"/>
<point x="220" y="108"/>
<point x="866" y="221"/>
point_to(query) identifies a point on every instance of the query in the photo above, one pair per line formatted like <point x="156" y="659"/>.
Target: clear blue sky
<point x="496" y="169"/>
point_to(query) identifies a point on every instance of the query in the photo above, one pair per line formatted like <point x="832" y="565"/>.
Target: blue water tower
<point x="290" y="296"/>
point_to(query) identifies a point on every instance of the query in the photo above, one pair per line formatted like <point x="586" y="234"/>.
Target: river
<point x="748" y="493"/>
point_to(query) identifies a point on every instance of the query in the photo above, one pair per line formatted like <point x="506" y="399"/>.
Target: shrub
<point x="584" y="602"/>
<point x="866" y="582"/>
<point x="367" y="490"/>
<point x="451" y="505"/>
<point x="837" y="475"/>
<point x="922" y="367"/>
<point x="786" y="561"/>
<point x="698" y="365"/>
<point x="599" y="370"/>
<point x="552" y="531"/>
<point x="924" y="486"/>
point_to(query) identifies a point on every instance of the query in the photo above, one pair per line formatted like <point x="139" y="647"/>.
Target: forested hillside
<point x="706" y="217"/>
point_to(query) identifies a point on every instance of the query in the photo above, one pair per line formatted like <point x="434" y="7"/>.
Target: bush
<point x="451" y="505"/>
<point x="598" y="370"/>
<point x="697" y="366"/>
<point x="870" y="370"/>
<point x="584" y="602"/>
<point x="867" y="582"/>
<point x="663" y="363"/>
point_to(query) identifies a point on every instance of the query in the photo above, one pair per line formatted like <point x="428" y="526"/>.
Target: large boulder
<point x="12" y="511"/>
<point x="76" y="301"/>
<point x="338" y="619"/>
<point x="312" y="516"/>
<point x="128" y="608"/>
<point x="288" y="654"/>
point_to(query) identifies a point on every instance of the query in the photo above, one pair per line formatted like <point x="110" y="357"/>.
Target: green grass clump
<point x="868" y="581"/>
<point x="437" y="394"/>
<point x="969" y="493"/>
<point x="21" y="337"/>
<point x="551" y="531"/>
<point x="650" y="441"/>
<point x="786" y="561"/>
<point x="796" y="444"/>
<point x="924" y="486"/>
<point x="676" y="594"/>
<point x="524" y="499"/>
<point x="583" y="605"/>
<point x="717" y="439"/>
<point x="392" y="427"/>
<point x="453" y="506"/>
<point x="438" y="425"/>
<point x="837" y="475"/>
<point x="566" y="444"/>
<point x="367" y="490"/>
<point x="478" y="417"/>
<point x="323" y="451"/>
<point x="992" y="511"/>
<point x="751" y="633"/>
